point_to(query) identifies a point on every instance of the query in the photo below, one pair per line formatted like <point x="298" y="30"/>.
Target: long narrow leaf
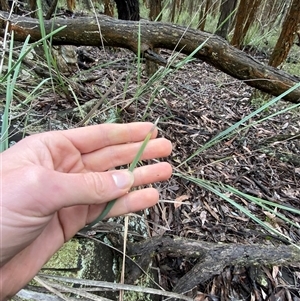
<point x="217" y="190"/>
<point x="10" y="70"/>
<point x="132" y="166"/>
<point x="9" y="95"/>
<point x="231" y="130"/>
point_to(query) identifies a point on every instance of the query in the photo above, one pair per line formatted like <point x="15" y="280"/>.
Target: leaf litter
<point x="194" y="104"/>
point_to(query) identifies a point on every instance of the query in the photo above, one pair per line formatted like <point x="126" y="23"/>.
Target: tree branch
<point x="215" y="51"/>
<point x="213" y="258"/>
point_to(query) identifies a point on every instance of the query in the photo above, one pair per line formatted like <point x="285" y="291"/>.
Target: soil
<point x="195" y="104"/>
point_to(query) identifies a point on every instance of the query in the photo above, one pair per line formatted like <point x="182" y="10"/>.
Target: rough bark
<point x="244" y="18"/>
<point x="226" y="16"/>
<point x="128" y="10"/>
<point x="180" y="8"/>
<point x="191" y="7"/>
<point x="172" y="11"/>
<point x="287" y="35"/>
<point x="203" y="14"/>
<point x="4" y="5"/>
<point x="71" y="4"/>
<point x="255" y="4"/>
<point x="155" y="10"/>
<point x="108" y="8"/>
<point x="215" y="51"/>
<point x="155" y="14"/>
<point x="213" y="258"/>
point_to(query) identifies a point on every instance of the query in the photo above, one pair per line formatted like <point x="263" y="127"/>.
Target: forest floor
<point x="195" y="103"/>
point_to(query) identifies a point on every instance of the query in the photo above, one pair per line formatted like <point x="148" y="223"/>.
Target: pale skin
<point x="55" y="183"/>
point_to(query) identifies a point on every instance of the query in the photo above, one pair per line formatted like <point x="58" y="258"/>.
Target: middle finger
<point x="117" y="155"/>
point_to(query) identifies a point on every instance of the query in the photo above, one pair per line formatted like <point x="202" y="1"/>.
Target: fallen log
<point x="212" y="257"/>
<point x="118" y="33"/>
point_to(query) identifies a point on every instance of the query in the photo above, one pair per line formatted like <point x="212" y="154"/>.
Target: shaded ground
<point x="195" y="104"/>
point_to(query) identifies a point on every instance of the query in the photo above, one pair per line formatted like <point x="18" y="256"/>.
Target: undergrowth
<point x="23" y="99"/>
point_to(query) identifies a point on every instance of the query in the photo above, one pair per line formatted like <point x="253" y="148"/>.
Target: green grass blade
<point x="10" y="70"/>
<point x="9" y="96"/>
<point x="33" y="93"/>
<point x="266" y="205"/>
<point x="138" y="156"/>
<point x="217" y="188"/>
<point x="232" y="129"/>
<point x="11" y="83"/>
<point x="131" y="168"/>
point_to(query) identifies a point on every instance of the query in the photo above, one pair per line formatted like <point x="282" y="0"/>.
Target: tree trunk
<point x="154" y="15"/>
<point x="71" y="4"/>
<point x="173" y="10"/>
<point x="108" y="8"/>
<point x="215" y="51"/>
<point x="298" y="35"/>
<point x="255" y="4"/>
<point x="226" y="16"/>
<point x="180" y="8"/>
<point x="244" y="18"/>
<point x="4" y="5"/>
<point x="241" y="17"/>
<point x="128" y="10"/>
<point x="215" y="8"/>
<point x="155" y="10"/>
<point x="191" y="7"/>
<point x="287" y="35"/>
<point x="203" y="15"/>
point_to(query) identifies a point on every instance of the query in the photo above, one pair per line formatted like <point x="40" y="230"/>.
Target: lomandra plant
<point x="8" y="81"/>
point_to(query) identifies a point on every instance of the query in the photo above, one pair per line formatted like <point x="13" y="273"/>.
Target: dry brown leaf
<point x="275" y="271"/>
<point x="180" y="199"/>
<point x="200" y="297"/>
<point x="211" y="211"/>
<point x="203" y="215"/>
<point x="228" y="143"/>
<point x="269" y="215"/>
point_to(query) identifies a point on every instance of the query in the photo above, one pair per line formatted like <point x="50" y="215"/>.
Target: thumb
<point x="90" y="188"/>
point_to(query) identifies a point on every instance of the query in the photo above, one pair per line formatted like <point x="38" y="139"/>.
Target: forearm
<point x="20" y="269"/>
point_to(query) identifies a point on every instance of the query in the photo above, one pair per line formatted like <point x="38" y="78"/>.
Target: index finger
<point x="91" y="138"/>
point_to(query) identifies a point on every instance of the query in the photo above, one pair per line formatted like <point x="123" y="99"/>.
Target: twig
<point x="118" y="286"/>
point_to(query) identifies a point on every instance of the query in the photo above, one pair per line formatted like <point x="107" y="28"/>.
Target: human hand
<point x="55" y="183"/>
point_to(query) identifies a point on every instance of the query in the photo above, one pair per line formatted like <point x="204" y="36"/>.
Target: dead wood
<point x="215" y="51"/>
<point x="213" y="258"/>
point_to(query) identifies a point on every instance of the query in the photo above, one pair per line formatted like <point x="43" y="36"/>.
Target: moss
<point x="81" y="259"/>
<point x="66" y="261"/>
<point x="143" y="281"/>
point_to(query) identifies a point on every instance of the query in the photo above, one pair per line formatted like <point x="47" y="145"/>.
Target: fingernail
<point x="123" y="179"/>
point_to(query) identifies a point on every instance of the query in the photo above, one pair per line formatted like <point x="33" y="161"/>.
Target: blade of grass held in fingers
<point x="131" y="168"/>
